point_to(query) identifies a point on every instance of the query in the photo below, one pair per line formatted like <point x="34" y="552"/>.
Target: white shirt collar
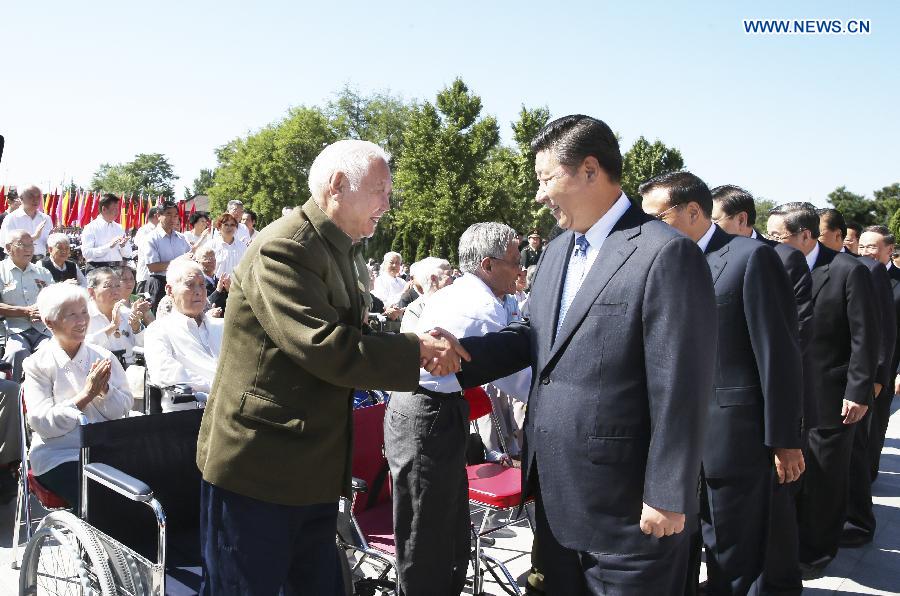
<point x="81" y="359"/>
<point x="8" y="263"/>
<point x="812" y="256"/>
<point x="704" y="240"/>
<point x="598" y="232"/>
<point x="753" y="234"/>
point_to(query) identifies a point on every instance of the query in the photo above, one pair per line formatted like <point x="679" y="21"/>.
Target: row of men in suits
<point x="661" y="357"/>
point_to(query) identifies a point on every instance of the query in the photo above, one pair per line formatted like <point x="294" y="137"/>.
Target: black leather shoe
<point x="815" y="569"/>
<point x="854" y="537"/>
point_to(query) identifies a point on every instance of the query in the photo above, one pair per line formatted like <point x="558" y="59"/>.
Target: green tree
<point x="852" y="206"/>
<point x="887" y="202"/>
<point x="268" y="169"/>
<point x="644" y="161"/>
<point x="379" y="118"/>
<point x="147" y="174"/>
<point x="763" y="206"/>
<point x="437" y="185"/>
<point x="202" y="184"/>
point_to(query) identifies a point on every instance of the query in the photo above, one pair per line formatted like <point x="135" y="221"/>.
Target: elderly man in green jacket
<point x="275" y="442"/>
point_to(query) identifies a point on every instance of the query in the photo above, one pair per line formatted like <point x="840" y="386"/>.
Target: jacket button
<point x="545" y="381"/>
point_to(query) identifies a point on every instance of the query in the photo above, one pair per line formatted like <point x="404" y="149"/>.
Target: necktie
<point x="574" y="276"/>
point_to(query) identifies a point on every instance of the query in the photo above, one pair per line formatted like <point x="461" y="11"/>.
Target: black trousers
<point x="859" y="500"/>
<point x="569" y="572"/>
<point x="251" y="547"/>
<point x="156" y="287"/>
<point x="734" y="519"/>
<point x="425" y="445"/>
<point x="881" y="416"/>
<point x="63" y="481"/>
<point x="822" y="503"/>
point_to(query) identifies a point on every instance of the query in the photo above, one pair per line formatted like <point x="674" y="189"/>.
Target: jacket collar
<point x="82" y="358"/>
<point x="325" y="227"/>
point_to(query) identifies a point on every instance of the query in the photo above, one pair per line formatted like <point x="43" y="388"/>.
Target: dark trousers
<point x="425" y="445"/>
<point x="881" y="416"/>
<point x="822" y="503"/>
<point x="252" y="547"/>
<point x="859" y="500"/>
<point x="156" y="287"/>
<point x="569" y="572"/>
<point x="63" y="481"/>
<point x="734" y="518"/>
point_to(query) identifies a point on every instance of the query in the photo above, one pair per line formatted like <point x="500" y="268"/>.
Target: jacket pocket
<point x="602" y="309"/>
<point x="739" y="396"/>
<point x="838" y="372"/>
<point x="262" y="409"/>
<point x="615" y="444"/>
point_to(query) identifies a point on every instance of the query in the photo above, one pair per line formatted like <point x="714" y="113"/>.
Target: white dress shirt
<point x="388" y="289"/>
<point x="142" y="273"/>
<point x="468" y="308"/>
<point x="52" y="382"/>
<point x="20" y="288"/>
<point x="704" y="240"/>
<point x="193" y="238"/>
<point x="227" y="255"/>
<point x="242" y="233"/>
<point x="96" y="238"/>
<point x="598" y="232"/>
<point x="127" y="339"/>
<point x="159" y="247"/>
<point x="180" y="351"/>
<point x="812" y="256"/>
<point x="19" y="220"/>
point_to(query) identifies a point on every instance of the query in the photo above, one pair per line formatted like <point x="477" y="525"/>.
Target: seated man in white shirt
<point x="30" y="219"/>
<point x="141" y="272"/>
<point x="104" y="242"/>
<point x="20" y="283"/>
<point x="425" y="431"/>
<point x="183" y="347"/>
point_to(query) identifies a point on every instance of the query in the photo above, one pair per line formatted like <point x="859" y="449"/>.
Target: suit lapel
<point x="547" y="292"/>
<point x="820" y="274"/>
<point x="716" y="253"/>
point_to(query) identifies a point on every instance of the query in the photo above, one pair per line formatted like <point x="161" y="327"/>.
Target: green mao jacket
<point x="277" y="426"/>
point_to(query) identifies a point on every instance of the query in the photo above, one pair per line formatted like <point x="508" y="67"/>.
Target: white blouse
<point x="227" y="255"/>
<point x="126" y="340"/>
<point x="180" y="351"/>
<point x="52" y="382"/>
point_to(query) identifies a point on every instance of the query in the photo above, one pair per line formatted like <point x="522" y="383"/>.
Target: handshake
<point x="440" y="353"/>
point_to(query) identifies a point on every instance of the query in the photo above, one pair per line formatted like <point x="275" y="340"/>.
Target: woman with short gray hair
<point x="57" y="260"/>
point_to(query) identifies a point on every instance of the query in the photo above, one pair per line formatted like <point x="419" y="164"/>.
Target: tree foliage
<point x="763" y="206"/>
<point x="644" y="161"/>
<point x="202" y="184"/>
<point x="854" y="207"/>
<point x="147" y="174"/>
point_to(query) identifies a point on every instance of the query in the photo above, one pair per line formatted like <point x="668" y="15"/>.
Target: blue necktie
<point x="574" y="276"/>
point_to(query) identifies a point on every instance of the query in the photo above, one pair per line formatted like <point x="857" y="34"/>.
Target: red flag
<point x="193" y="210"/>
<point x="181" y="214"/>
<point x="139" y="221"/>
<point x="132" y="216"/>
<point x="2" y="198"/>
<point x="95" y="210"/>
<point x="54" y="200"/>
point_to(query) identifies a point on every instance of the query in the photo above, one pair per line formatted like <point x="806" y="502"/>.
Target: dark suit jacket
<point x="214" y="297"/>
<point x="894" y="276"/>
<point x="887" y="320"/>
<point x="759" y="385"/>
<point x="277" y="425"/>
<point x="846" y="340"/>
<point x="618" y="402"/>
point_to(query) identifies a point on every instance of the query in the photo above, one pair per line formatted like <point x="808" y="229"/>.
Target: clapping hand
<point x="34" y="314"/>
<point x="440" y="352"/>
<point x="660" y="522"/>
<point x="141" y="306"/>
<point x="98" y="378"/>
<point x="224" y="283"/>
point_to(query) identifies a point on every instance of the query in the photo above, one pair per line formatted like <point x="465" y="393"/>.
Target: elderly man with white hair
<point x="57" y="260"/>
<point x="183" y="347"/>
<point x="430" y="275"/>
<point x="275" y="441"/>
<point x="425" y="430"/>
<point x="30" y="219"/>
<point x="20" y="283"/>
<point x="67" y="379"/>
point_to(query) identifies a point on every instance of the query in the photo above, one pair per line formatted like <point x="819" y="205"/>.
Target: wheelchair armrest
<point x="114" y="479"/>
<point x="358" y="485"/>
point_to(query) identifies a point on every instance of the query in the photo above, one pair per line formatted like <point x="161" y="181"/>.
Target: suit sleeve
<point x="680" y="341"/>
<point x="798" y="272"/>
<point x="864" y="335"/>
<point x="496" y="355"/>
<point x="771" y="315"/>
<point x="291" y="303"/>
<point x="887" y="326"/>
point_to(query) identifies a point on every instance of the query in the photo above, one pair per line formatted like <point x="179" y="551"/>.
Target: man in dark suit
<point x="844" y="352"/>
<point x="878" y="242"/>
<point x="734" y="210"/>
<point x="622" y="344"/>
<point x="756" y="414"/>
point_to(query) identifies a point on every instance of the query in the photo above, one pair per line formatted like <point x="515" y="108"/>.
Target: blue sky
<point x="788" y="117"/>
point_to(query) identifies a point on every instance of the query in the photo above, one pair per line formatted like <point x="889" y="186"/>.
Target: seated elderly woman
<point x="68" y="377"/>
<point x="183" y="347"/>
<point x="113" y="324"/>
<point x="57" y="260"/>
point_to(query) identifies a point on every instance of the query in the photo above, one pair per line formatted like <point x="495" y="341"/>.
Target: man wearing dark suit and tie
<point x="878" y="242"/>
<point x="844" y="354"/>
<point x="758" y="404"/>
<point x="622" y="344"/>
<point x="734" y="210"/>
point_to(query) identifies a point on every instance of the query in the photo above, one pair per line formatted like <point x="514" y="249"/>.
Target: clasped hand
<point x="440" y="353"/>
<point x="660" y="522"/>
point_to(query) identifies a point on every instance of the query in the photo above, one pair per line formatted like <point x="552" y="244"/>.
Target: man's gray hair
<point x="422" y="271"/>
<point x="53" y="298"/>
<point x="14" y="236"/>
<point x="56" y="238"/>
<point x="390" y="255"/>
<point x="350" y="156"/>
<point x="95" y="275"/>
<point x="179" y="269"/>
<point x="202" y="251"/>
<point x="481" y="240"/>
<point x="234" y="203"/>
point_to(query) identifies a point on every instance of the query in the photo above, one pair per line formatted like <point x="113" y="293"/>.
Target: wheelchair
<point x="365" y="521"/>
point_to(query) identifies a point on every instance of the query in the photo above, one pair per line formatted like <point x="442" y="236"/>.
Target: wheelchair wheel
<point x="64" y="557"/>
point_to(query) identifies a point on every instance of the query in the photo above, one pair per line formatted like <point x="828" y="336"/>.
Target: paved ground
<point x="874" y="569"/>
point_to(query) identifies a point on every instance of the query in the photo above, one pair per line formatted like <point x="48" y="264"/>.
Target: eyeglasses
<point x="782" y="238"/>
<point x="661" y="215"/>
<point x="517" y="264"/>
